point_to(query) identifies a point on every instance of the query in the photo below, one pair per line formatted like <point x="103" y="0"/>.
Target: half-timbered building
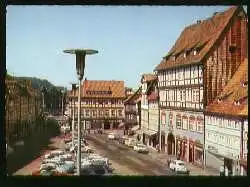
<point x="131" y="111"/>
<point x="149" y="115"/>
<point x="101" y="103"/>
<point x="226" y="123"/>
<point x="194" y="72"/>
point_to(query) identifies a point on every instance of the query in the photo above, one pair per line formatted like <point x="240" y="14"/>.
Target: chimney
<point x="198" y="21"/>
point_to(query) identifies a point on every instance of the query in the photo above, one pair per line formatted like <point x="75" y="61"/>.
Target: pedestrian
<point x="226" y="171"/>
<point x="169" y="161"/>
<point x="221" y="170"/>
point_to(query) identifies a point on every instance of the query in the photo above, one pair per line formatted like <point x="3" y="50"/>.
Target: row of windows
<point x="223" y="139"/>
<point x="102" y="113"/>
<point x="101" y="102"/>
<point x="180" y="73"/>
<point x="182" y="95"/>
<point x="223" y="123"/>
<point x="185" y="123"/>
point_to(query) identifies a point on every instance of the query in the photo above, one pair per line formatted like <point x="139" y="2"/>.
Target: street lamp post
<point x="80" y="65"/>
<point x="62" y="91"/>
<point x="73" y="112"/>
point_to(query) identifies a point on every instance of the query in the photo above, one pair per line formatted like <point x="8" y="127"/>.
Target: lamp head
<point x="80" y="59"/>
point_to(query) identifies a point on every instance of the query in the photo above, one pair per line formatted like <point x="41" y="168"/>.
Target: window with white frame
<point x="87" y="112"/>
<point x="192" y="124"/>
<point x="178" y="121"/>
<point x="197" y="92"/>
<point x="113" y="112"/>
<point x="194" y="97"/>
<point x="163" y="119"/>
<point x="180" y="96"/>
<point x="184" y="122"/>
<point x="200" y="125"/>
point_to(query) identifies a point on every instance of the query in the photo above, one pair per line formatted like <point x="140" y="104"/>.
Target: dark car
<point x="95" y="170"/>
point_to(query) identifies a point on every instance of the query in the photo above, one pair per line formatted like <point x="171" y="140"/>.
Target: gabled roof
<point x="134" y="97"/>
<point x="102" y="89"/>
<point x="147" y="77"/>
<point x="201" y="36"/>
<point x="234" y="91"/>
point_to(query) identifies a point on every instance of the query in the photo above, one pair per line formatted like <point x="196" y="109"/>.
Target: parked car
<point x="87" y="149"/>
<point x="140" y="148"/>
<point x="178" y="166"/>
<point x="95" y="170"/>
<point x="113" y="136"/>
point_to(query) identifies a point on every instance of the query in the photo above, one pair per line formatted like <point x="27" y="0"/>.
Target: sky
<point x="131" y="40"/>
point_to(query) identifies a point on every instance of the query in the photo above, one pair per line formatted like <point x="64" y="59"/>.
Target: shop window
<point x="198" y="156"/>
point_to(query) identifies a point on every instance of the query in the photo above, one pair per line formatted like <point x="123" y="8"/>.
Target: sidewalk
<point x="194" y="170"/>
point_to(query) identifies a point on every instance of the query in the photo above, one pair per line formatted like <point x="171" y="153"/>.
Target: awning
<point x="135" y="128"/>
<point x="150" y="132"/>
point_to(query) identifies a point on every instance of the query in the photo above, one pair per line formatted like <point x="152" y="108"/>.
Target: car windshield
<point x="100" y="171"/>
<point x="181" y="164"/>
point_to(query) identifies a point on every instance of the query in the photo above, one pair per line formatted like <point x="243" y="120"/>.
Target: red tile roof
<point x="201" y="36"/>
<point x="234" y="91"/>
<point x="102" y="89"/>
<point x="149" y="77"/>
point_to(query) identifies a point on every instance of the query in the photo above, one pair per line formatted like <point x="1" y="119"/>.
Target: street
<point x="125" y="161"/>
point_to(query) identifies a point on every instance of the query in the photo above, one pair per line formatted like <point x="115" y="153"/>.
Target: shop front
<point x="191" y="151"/>
<point x="243" y="167"/>
<point x="198" y="153"/>
<point x="151" y="138"/>
<point x="170" y="144"/>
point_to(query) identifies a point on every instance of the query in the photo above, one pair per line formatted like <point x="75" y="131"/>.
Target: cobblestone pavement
<point x="56" y="143"/>
<point x="125" y="161"/>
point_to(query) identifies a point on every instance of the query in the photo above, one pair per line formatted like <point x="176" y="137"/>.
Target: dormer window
<point x="244" y="84"/>
<point x="174" y="58"/>
<point x="232" y="48"/>
<point x="185" y="54"/>
<point x="237" y="103"/>
<point x="219" y="100"/>
<point x="195" y="51"/>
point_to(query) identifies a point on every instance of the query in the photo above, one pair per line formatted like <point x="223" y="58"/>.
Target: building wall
<point x="245" y="139"/>
<point x="223" y="135"/>
<point x="222" y="63"/>
<point x="20" y="109"/>
<point x="100" y="109"/>
<point x="153" y="115"/>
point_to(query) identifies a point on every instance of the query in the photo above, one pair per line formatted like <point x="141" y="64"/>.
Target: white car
<point x="178" y="166"/>
<point x="87" y="149"/>
<point x="113" y="136"/>
<point x="141" y="148"/>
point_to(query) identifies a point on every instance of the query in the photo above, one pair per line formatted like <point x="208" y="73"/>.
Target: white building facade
<point x="181" y="96"/>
